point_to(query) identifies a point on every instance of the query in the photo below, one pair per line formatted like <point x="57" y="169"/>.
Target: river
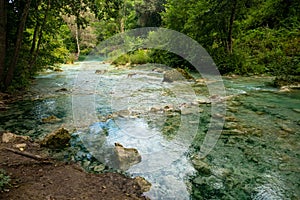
<point x="257" y="156"/>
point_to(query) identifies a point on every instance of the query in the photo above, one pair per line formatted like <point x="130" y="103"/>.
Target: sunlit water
<point x="256" y="157"/>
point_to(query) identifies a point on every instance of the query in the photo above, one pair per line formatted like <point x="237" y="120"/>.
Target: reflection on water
<point x="256" y="157"/>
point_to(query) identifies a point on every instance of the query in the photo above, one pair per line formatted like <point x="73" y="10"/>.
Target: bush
<point x="136" y="57"/>
<point x="139" y="57"/>
<point x="122" y="60"/>
<point x="4" y="180"/>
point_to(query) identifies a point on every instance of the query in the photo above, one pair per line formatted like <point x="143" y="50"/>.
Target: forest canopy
<point x="243" y="37"/>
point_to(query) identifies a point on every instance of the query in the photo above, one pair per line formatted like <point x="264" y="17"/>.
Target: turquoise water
<point x="256" y="157"/>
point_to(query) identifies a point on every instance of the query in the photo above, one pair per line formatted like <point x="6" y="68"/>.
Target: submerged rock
<point x="143" y="183"/>
<point x="58" y="139"/>
<point x="126" y="157"/>
<point x="51" y="119"/>
<point x="201" y="166"/>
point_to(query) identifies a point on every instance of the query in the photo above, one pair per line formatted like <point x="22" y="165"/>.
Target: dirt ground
<point x="38" y="179"/>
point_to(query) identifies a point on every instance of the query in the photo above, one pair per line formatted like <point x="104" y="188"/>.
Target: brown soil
<point x="54" y="180"/>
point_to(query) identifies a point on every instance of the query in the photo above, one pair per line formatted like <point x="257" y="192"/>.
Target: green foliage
<point x="122" y="60"/>
<point x="139" y="57"/>
<point x="4" y="180"/>
<point x="264" y="34"/>
<point x="136" y="57"/>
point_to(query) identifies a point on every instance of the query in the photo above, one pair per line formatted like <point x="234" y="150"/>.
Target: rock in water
<point x="185" y="74"/>
<point x="98" y="71"/>
<point x="176" y="75"/>
<point x="51" y="119"/>
<point x="143" y="183"/>
<point x="201" y="166"/>
<point x="126" y="157"/>
<point x="58" y="139"/>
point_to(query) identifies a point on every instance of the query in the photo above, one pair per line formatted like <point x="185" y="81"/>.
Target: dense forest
<point x="243" y="37"/>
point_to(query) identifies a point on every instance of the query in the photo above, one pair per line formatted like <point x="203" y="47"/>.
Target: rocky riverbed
<point x="129" y="120"/>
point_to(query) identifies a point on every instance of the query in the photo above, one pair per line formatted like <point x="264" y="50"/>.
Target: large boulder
<point x="58" y="139"/>
<point x="176" y="75"/>
<point x="126" y="157"/>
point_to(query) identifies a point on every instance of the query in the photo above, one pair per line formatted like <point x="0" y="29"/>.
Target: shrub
<point x="122" y="60"/>
<point x="139" y="57"/>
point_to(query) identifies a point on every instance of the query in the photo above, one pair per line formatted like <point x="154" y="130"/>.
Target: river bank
<point x="41" y="177"/>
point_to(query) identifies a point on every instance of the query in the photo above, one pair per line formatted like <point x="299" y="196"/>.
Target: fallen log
<point x="28" y="155"/>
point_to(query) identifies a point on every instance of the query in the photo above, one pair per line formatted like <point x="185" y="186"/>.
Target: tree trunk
<point x="232" y="18"/>
<point x="34" y="38"/>
<point x="36" y="30"/>
<point x="77" y="41"/>
<point x="12" y="66"/>
<point x="36" y="52"/>
<point x="3" y="21"/>
<point x="122" y="25"/>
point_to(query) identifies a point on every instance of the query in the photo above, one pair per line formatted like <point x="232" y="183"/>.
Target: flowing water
<point x="256" y="156"/>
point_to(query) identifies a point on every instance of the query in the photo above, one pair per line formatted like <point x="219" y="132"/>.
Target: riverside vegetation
<point x="243" y="37"/>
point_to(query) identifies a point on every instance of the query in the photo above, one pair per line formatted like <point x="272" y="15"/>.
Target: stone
<point x="231" y="119"/>
<point x="123" y="113"/>
<point x="201" y="81"/>
<point x="62" y="90"/>
<point x="21" y="146"/>
<point x="51" y="119"/>
<point x="189" y="110"/>
<point x="185" y="74"/>
<point x="201" y="166"/>
<point x="203" y="101"/>
<point x="99" y="168"/>
<point x="221" y="172"/>
<point x="143" y="183"/>
<point x="58" y="139"/>
<point x="233" y="132"/>
<point x="285" y="89"/>
<point x="158" y="70"/>
<point x="10" y="137"/>
<point x="57" y="69"/>
<point x="286" y="128"/>
<point x="231" y="125"/>
<point x="100" y="71"/>
<point x="155" y="109"/>
<point x="172" y="75"/>
<point x="126" y="157"/>
<point x="296" y="110"/>
<point x="176" y="75"/>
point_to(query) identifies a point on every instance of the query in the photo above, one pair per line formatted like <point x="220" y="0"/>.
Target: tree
<point x="3" y="22"/>
<point x="148" y="12"/>
<point x="15" y="57"/>
<point x="34" y="36"/>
